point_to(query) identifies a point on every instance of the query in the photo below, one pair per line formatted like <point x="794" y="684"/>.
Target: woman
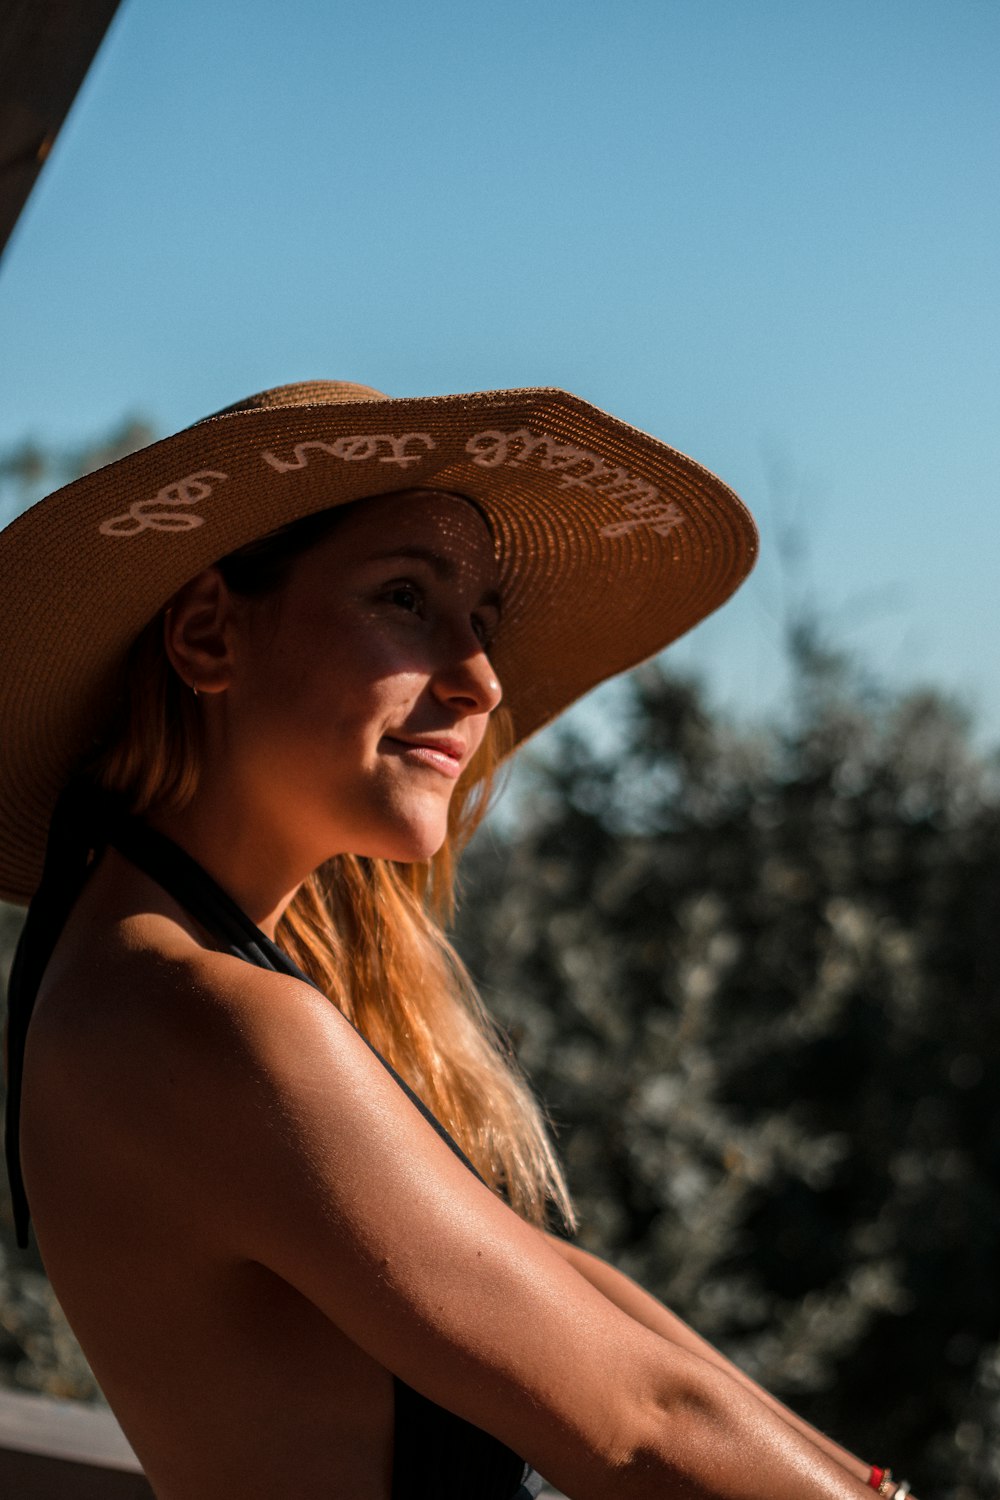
<point x="252" y="698"/>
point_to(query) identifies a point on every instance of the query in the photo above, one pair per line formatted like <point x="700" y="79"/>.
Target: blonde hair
<point x="370" y="933"/>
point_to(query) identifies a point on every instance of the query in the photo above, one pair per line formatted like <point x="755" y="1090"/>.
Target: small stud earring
<point x="194" y="690"/>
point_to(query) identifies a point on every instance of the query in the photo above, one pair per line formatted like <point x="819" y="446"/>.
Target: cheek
<point x="355" y="645"/>
<point x="341" y="677"/>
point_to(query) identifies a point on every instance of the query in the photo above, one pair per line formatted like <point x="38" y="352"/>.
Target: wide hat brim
<point x="611" y="545"/>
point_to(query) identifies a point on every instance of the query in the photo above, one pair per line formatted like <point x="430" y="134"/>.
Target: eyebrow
<point x="442" y="567"/>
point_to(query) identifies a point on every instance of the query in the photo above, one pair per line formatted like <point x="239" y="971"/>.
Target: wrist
<point x="882" y="1482"/>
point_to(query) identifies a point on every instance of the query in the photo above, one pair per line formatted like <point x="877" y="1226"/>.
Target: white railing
<point x="64" y="1450"/>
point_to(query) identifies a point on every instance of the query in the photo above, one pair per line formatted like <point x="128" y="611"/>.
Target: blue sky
<point x="765" y="230"/>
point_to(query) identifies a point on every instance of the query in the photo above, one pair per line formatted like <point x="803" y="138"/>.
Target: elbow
<point x="662" y="1442"/>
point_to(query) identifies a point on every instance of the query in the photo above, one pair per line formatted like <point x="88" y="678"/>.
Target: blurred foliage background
<point x="753" y="970"/>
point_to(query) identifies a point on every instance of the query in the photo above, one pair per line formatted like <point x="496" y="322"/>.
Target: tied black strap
<point x="85" y="821"/>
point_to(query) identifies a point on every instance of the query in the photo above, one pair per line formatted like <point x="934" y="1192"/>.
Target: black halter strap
<point x="193" y="888"/>
<point x="84" y="824"/>
<point x="77" y="832"/>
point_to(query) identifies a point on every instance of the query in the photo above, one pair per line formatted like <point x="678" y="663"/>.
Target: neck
<point x="258" y="867"/>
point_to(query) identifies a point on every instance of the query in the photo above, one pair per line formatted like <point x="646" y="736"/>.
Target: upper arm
<point x="320" y="1168"/>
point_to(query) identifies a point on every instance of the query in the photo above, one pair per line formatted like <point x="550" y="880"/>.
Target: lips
<point x="441" y="753"/>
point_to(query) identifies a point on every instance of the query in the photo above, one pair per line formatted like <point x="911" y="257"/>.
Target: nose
<point x="468" y="682"/>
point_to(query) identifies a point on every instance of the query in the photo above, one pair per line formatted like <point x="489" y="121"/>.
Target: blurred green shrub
<point x="755" y="974"/>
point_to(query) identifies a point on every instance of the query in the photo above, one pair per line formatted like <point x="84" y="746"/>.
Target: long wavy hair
<point x="371" y="933"/>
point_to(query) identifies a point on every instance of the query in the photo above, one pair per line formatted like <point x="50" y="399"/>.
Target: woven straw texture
<point x="611" y="545"/>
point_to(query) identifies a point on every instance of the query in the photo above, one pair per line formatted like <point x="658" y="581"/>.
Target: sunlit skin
<point x="339" y="715"/>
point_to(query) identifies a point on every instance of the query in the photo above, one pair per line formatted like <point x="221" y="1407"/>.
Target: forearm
<point x="645" y="1309"/>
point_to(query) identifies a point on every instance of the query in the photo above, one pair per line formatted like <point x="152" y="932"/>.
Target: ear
<point x="198" y="633"/>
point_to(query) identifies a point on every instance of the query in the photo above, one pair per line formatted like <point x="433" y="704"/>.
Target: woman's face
<point x="360" y="695"/>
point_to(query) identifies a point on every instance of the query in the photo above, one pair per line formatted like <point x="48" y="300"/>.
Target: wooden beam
<point x="46" y="47"/>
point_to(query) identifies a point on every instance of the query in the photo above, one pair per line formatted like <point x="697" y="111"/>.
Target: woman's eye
<point x="405" y="596"/>
<point x="483" y="632"/>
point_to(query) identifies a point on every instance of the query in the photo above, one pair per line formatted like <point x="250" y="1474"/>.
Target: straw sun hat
<point x="610" y="546"/>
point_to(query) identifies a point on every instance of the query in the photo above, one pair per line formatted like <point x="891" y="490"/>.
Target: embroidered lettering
<point x="663" y="520"/>
<point x="384" y="446"/>
<point x="579" y="469"/>
<point x="159" y="513"/>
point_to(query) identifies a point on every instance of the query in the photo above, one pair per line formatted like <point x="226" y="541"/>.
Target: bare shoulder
<point x="265" y="1120"/>
<point x="154" y="1048"/>
<point x="151" y="1020"/>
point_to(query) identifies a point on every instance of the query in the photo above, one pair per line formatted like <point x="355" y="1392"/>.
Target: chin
<point x="413" y="845"/>
<point x="417" y="852"/>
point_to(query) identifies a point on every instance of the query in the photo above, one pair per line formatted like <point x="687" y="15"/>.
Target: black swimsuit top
<point x="436" y="1455"/>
